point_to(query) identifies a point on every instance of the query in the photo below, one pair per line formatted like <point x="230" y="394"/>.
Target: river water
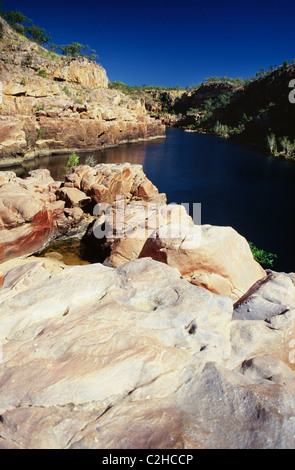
<point x="236" y="185"/>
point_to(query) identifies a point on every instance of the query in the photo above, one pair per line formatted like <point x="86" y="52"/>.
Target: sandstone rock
<point x="147" y="190"/>
<point x="271" y="296"/>
<point x="2" y="277"/>
<point x="52" y="266"/>
<point x="7" y="176"/>
<point x="39" y="198"/>
<point x="234" y="412"/>
<point x="266" y="368"/>
<point x="109" y="118"/>
<point x="30" y="216"/>
<point x="82" y="72"/>
<point x="72" y="197"/>
<point x="105" y="182"/>
<point x="137" y="222"/>
<point x="108" y="115"/>
<point x="133" y="357"/>
<point x="264" y="321"/>
<point x="41" y="174"/>
<point x="217" y="258"/>
<point x="26" y="220"/>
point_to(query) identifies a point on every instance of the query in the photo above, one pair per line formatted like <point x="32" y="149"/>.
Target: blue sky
<point x="171" y="42"/>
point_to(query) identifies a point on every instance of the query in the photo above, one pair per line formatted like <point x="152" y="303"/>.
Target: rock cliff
<point x="50" y="103"/>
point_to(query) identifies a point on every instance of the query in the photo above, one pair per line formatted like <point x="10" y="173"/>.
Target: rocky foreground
<point x="178" y="340"/>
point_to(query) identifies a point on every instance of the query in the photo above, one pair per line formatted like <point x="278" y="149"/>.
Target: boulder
<point x="217" y="258"/>
<point x="72" y="197"/>
<point x="27" y="220"/>
<point x="134" y="224"/>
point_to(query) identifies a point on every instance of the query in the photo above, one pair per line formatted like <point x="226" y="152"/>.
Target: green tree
<point x="15" y="17"/>
<point x="37" y="34"/>
<point x="52" y="47"/>
<point x="74" y="49"/>
<point x="72" y="161"/>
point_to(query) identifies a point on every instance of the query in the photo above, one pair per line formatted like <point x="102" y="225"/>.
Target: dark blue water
<point x="236" y="185"/>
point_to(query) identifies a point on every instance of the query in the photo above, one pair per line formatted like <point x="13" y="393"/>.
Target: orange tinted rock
<point x="73" y="197"/>
<point x="147" y="190"/>
<point x="27" y="217"/>
<point x="2" y="278"/>
<point x="217" y="258"/>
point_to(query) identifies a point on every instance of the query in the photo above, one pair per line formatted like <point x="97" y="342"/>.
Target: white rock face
<point x="134" y="357"/>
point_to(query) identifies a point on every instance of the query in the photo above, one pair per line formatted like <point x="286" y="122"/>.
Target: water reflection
<point x="236" y="185"/>
<point x="132" y="153"/>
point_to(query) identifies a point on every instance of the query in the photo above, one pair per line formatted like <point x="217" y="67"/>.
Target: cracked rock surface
<point x="137" y="357"/>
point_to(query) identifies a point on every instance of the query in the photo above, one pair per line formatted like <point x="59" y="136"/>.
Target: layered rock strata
<point x="54" y="103"/>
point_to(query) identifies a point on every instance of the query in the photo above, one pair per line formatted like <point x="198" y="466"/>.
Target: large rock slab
<point x="264" y="320"/>
<point x="133" y="357"/>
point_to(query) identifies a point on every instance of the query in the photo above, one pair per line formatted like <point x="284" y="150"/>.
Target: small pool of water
<point x="70" y="252"/>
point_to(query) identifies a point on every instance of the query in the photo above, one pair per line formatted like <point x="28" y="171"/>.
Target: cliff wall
<point x="52" y="102"/>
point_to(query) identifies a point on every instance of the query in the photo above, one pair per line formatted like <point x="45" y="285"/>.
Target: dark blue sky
<point x="171" y="42"/>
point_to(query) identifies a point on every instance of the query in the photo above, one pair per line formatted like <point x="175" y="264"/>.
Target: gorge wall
<point x="55" y="103"/>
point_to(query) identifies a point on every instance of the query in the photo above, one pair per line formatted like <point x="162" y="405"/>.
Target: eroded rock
<point x="133" y="357"/>
<point x="217" y="258"/>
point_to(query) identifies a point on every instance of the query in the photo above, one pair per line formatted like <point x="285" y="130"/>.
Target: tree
<point x="74" y="49"/>
<point x="15" y="18"/>
<point x="52" y="47"/>
<point x="37" y="34"/>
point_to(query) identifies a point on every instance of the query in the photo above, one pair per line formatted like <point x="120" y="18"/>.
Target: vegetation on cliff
<point x="61" y="101"/>
<point x="25" y="26"/>
<point x="256" y="110"/>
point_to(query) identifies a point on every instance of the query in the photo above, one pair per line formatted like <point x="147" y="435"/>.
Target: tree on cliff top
<point x="75" y="49"/>
<point x="16" y="20"/>
<point x="24" y="25"/>
<point x="37" y="34"/>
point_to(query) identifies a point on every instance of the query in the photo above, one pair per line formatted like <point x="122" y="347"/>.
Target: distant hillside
<point x="256" y="111"/>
